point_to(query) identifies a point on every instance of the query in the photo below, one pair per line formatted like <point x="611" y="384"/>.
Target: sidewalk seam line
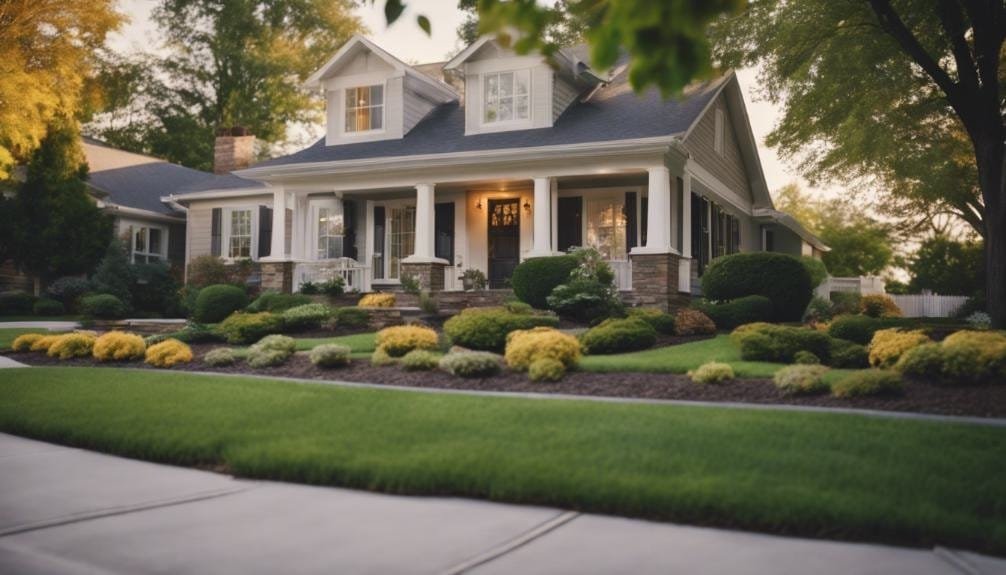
<point x="956" y="560"/>
<point x="511" y="545"/>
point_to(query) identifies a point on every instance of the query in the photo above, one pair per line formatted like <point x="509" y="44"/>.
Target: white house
<point x="513" y="158"/>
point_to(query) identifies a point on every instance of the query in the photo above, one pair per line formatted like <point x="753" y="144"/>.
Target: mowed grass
<point x="358" y="342"/>
<point x="9" y="334"/>
<point x="811" y="474"/>
<point x="687" y="356"/>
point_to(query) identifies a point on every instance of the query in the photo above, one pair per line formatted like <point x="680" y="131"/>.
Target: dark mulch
<point x="981" y="401"/>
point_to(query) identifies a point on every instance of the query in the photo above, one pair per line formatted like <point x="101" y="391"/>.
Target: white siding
<point x="415" y="107"/>
<point x="728" y="166"/>
<point x="564" y="94"/>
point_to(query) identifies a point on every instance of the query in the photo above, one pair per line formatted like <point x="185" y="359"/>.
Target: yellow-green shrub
<point x="118" y="346"/>
<point x="712" y="372"/>
<point x="974" y="357"/>
<point x="888" y="345"/>
<point x="401" y="339"/>
<point x="377" y="300"/>
<point x="168" y="353"/>
<point x="546" y="369"/>
<point x="868" y="382"/>
<point x="72" y="345"/>
<point x="879" y="305"/>
<point x="44" y="343"/>
<point x="528" y="345"/>
<point x="25" y="341"/>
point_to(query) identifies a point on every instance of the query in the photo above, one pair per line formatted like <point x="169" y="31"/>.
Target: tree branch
<point x="953" y="25"/>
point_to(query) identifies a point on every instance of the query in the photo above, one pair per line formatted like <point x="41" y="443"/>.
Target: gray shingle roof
<point x="221" y="182"/>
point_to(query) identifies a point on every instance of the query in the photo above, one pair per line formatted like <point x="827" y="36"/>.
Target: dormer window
<point x="507" y="96"/>
<point x="364" y="109"/>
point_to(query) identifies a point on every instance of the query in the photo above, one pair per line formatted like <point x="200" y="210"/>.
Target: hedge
<point x="781" y="278"/>
<point x="534" y="279"/>
<point x="747" y="309"/>
<point x="216" y="302"/>
<point x="486" y="328"/>
<point x="618" y="335"/>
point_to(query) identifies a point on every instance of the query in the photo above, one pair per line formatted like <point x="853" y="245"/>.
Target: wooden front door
<point x="504" y="240"/>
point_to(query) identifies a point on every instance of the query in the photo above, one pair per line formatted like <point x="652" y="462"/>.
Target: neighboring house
<point x="511" y="158"/>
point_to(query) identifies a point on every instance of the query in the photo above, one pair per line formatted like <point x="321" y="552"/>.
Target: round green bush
<point x="46" y="306"/>
<point x="659" y="320"/>
<point x="868" y="382"/>
<point x="103" y="306"/>
<point x="617" y="336"/>
<point x="546" y="369"/>
<point x="420" y="360"/>
<point x="274" y="301"/>
<point x="858" y="328"/>
<point x="534" y="279"/>
<point x="747" y="309"/>
<point x="244" y="328"/>
<point x="779" y="277"/>
<point x="486" y="328"/>
<point x="220" y="357"/>
<point x="214" y="303"/>
<point x="16" y="303"/>
<point x="804" y="357"/>
<point x="816" y="268"/>
<point x="307" y="316"/>
<point x="471" y="363"/>
<point x="801" y="379"/>
<point x="330" y="355"/>
<point x="922" y="362"/>
<point x="844" y="354"/>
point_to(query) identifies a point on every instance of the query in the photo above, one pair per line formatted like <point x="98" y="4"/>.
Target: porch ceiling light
<point x="527" y="206"/>
<point x="478" y="203"/>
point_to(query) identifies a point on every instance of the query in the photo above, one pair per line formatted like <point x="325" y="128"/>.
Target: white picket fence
<point x="929" y="305"/>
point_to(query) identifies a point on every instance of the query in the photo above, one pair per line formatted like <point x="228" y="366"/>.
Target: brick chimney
<point x="233" y="149"/>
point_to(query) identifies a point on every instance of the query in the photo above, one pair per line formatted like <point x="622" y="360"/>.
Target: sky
<point x="405" y="40"/>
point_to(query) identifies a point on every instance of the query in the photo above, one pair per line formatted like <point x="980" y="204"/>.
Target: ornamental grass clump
<point x="471" y="363"/>
<point x="119" y="346"/>
<point x="801" y="379"/>
<point x="72" y="345"/>
<point x="868" y="382"/>
<point x="220" y="357"/>
<point x="24" y="342"/>
<point x="712" y="372"/>
<point x="401" y="339"/>
<point x="168" y="353"/>
<point x="888" y="345"/>
<point x="271" y="351"/>
<point x="377" y="300"/>
<point x="420" y="360"/>
<point x="330" y="355"/>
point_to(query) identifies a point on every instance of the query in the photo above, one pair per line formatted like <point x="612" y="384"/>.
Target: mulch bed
<point x="981" y="401"/>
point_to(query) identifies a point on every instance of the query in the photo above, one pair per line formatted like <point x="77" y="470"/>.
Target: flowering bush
<point x="72" y="345"/>
<point x="399" y="340"/>
<point x="118" y="346"/>
<point x="888" y="345"/>
<point x="879" y="305"/>
<point x="377" y="300"/>
<point x="168" y="353"/>
<point x="712" y="372"/>
<point x="525" y="346"/>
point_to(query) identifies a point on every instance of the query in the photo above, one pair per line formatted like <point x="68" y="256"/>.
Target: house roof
<point x="134" y="180"/>
<point x="221" y="182"/>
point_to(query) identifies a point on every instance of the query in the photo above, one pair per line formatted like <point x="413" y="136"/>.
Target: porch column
<point x="554" y="205"/>
<point x="655" y="266"/>
<point x="658" y="214"/>
<point x="542" y="218"/>
<point x="301" y="228"/>
<point x="278" y="247"/>
<point x="685" y="265"/>
<point x="423" y="264"/>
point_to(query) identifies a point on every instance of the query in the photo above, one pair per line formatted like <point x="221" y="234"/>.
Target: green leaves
<point x="393" y="10"/>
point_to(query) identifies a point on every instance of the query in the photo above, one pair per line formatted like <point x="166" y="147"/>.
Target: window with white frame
<point x="365" y="108"/>
<point x="330" y="231"/>
<point x="239" y="233"/>
<point x="401" y="237"/>
<point x="148" y="244"/>
<point x="606" y="224"/>
<point x="506" y="96"/>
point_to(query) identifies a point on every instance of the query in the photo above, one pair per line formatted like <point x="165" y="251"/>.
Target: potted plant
<point x="473" y="279"/>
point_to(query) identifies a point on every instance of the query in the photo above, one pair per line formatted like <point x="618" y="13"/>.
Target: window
<point x="606" y="223"/>
<point x="239" y="238"/>
<point x="718" y="135"/>
<point x="364" y="108"/>
<point x="506" y="96"/>
<point x="401" y="237"/>
<point x="148" y="244"/>
<point x="330" y="233"/>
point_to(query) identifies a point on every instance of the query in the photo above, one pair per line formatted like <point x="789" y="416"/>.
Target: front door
<point x="504" y="240"/>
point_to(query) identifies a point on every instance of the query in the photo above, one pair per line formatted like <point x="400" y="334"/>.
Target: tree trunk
<point x="991" y="156"/>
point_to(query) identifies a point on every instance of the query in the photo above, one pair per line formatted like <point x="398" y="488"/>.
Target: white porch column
<point x="542" y="245"/>
<point x="301" y="228"/>
<point x="658" y="214"/>
<point x="554" y="205"/>
<point x="685" y="264"/>
<point x="425" y="223"/>
<point x="278" y="247"/>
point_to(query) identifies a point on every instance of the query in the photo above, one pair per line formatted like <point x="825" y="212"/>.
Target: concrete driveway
<point x="66" y="510"/>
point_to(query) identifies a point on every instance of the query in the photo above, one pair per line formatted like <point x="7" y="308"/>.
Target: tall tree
<point x="946" y="266"/>
<point x="564" y="28"/>
<point x="228" y="63"/>
<point x="47" y="50"/>
<point x="907" y="92"/>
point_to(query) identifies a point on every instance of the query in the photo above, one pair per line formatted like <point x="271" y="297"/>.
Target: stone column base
<point x="277" y="276"/>
<point x="655" y="282"/>
<point x="429" y="274"/>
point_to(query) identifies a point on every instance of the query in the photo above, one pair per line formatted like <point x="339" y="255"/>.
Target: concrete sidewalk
<point x="66" y="510"/>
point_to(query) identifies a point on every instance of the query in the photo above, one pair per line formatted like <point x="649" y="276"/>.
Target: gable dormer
<point x="371" y="95"/>
<point x="506" y="91"/>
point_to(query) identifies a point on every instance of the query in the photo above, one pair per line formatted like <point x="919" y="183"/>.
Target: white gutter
<point x="141" y="213"/>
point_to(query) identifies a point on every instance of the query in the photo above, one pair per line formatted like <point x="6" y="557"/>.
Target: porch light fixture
<point x="527" y="206"/>
<point x="478" y="203"/>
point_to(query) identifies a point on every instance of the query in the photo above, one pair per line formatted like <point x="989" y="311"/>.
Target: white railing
<point x="864" y="285"/>
<point x="623" y="274"/>
<point x="355" y="276"/>
<point x="929" y="305"/>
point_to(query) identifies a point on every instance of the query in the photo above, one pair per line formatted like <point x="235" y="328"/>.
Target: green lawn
<point x="9" y="334"/>
<point x="359" y="342"/>
<point x="813" y="474"/>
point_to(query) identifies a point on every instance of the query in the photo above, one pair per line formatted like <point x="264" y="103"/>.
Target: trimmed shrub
<point x="220" y="357"/>
<point x="534" y="279"/>
<point x="377" y="300"/>
<point x="868" y="382"/>
<point x="401" y="339"/>
<point x="118" y="346"/>
<point x="471" y="363"/>
<point x="779" y="277"/>
<point x="195" y="333"/>
<point x="888" y="345"/>
<point x="658" y="320"/>
<point x="693" y="322"/>
<point x="24" y="342"/>
<point x="72" y="345"/>
<point x="103" y="306"/>
<point x="351" y="317"/>
<point x="879" y="305"/>
<point x="585" y="300"/>
<point x="46" y="306"/>
<point x="16" y="303"/>
<point x="804" y="357"/>
<point x="971" y="357"/>
<point x="420" y="360"/>
<point x="779" y="343"/>
<point x="527" y="345"/>
<point x="546" y="369"/>
<point x="308" y="316"/>
<point x="747" y="309"/>
<point x="68" y="290"/>
<point x="277" y="302"/>
<point x="801" y="379"/>
<point x="922" y="362"/>
<point x="486" y="328"/>
<point x="244" y="328"/>
<point x="330" y="355"/>
<point x="618" y="335"/>
<point x="712" y="372"/>
<point x="845" y="354"/>
<point x="858" y="328"/>
<point x="44" y="343"/>
<point x="381" y="357"/>
<point x="816" y="268"/>
<point x="168" y="353"/>
<point x="214" y="303"/>
<point x="271" y="350"/>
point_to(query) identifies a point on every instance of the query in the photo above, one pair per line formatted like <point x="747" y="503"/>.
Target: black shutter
<point x="264" y="231"/>
<point x="630" y="220"/>
<point x="349" y="229"/>
<point x="644" y="218"/>
<point x="216" y="221"/>
<point x="378" y="242"/>
<point x="570" y="222"/>
<point x="443" y="231"/>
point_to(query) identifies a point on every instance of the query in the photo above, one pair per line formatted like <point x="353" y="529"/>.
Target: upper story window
<point x="365" y="108"/>
<point x="506" y="96"/>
